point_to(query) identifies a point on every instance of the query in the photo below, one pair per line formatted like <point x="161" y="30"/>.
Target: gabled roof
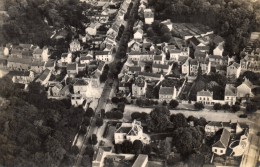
<point x="101" y="65"/>
<point x="37" y="51"/>
<point x="157" y="57"/>
<point x="44" y="75"/>
<point x="19" y="73"/>
<point x="166" y="91"/>
<point x="195" y="41"/>
<point x="161" y="66"/>
<point x="218" y="39"/>
<point x="50" y="63"/>
<point x="230" y="90"/>
<point x="80" y="82"/>
<point x="223" y="140"/>
<point x="72" y="66"/>
<point x="135" y="69"/>
<point x="140" y="160"/>
<point x="236" y="65"/>
<point x="205" y="93"/>
<point x="147" y="74"/>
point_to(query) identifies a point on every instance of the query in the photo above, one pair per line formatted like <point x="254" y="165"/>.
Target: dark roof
<point x="157" y="57"/>
<point x="101" y="52"/>
<point x="44" y="75"/>
<point x="166" y="90"/>
<point x="218" y="39"/>
<point x="147" y="74"/>
<point x="72" y="66"/>
<point x="195" y="41"/>
<point x="80" y="82"/>
<point x="19" y="73"/>
<point x="140" y="81"/>
<point x="135" y="69"/>
<point x="50" y="63"/>
<point x="223" y="140"/>
<point x="101" y="65"/>
<point x="161" y="66"/>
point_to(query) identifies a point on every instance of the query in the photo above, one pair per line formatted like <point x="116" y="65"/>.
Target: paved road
<point x="251" y="155"/>
<point x="101" y="105"/>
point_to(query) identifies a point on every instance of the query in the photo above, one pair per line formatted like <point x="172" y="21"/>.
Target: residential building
<point x="138" y="35"/>
<point x="245" y="89"/>
<point x="85" y="58"/>
<point x="131" y="132"/>
<point x="50" y="64"/>
<point x="80" y="87"/>
<point x="101" y="66"/>
<point x="168" y="23"/>
<point x="139" y="87"/>
<point x="21" y="77"/>
<point x="66" y="58"/>
<point x="195" y="42"/>
<point x="76" y="100"/>
<point x="218" y="60"/>
<point x="221" y="146"/>
<point x="151" y="76"/>
<point x="230" y="94"/>
<point x="72" y="70"/>
<point x="44" y="77"/>
<point x="162" y="68"/>
<point x="105" y="56"/>
<point x="148" y="16"/>
<point x="158" y="59"/>
<point x="91" y="29"/>
<point x="167" y="93"/>
<point x="99" y="156"/>
<point x="218" y="41"/>
<point x="233" y="70"/>
<point x="75" y="46"/>
<point x="19" y="63"/>
<point x="37" y="66"/>
<point x="205" y="97"/>
<point x="41" y="54"/>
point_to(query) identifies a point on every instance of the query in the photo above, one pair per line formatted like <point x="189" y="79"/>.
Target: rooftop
<point x="205" y="93"/>
<point x="223" y="140"/>
<point x="166" y="91"/>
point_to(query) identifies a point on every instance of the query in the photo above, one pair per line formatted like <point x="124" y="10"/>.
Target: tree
<point x="198" y="106"/>
<point x="127" y="146"/>
<point x="74" y="150"/>
<point x="235" y="108"/>
<point x="118" y="148"/>
<point x="173" y="104"/>
<point x="217" y="106"/>
<point x="164" y="103"/>
<point x="90" y="112"/>
<point x="147" y="149"/>
<point x="115" y="100"/>
<point x="178" y="120"/>
<point x="135" y="115"/>
<point x="251" y="108"/>
<point x="137" y="146"/>
<point x="86" y="121"/>
<point x="226" y="107"/>
<point x="89" y="151"/>
<point x="158" y="119"/>
<point x="93" y="139"/>
<point x="121" y="106"/>
<point x="99" y="122"/>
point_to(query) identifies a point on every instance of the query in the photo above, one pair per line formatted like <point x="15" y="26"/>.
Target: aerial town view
<point x="129" y="83"/>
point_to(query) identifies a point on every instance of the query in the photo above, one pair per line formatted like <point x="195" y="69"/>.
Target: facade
<point x="75" y="46"/>
<point x="72" y="70"/>
<point x="245" y="89"/>
<point x="148" y="16"/>
<point x="205" y="97"/>
<point x="230" y="94"/>
<point x="44" y="77"/>
<point x="80" y="87"/>
<point x="139" y="87"/>
<point x="22" y="77"/>
<point x="220" y="147"/>
<point x="105" y="56"/>
<point x="233" y="70"/>
<point x="167" y="93"/>
<point x="131" y="132"/>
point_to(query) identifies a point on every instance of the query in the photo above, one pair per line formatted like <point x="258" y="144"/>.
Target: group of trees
<point x="36" y="130"/>
<point x="32" y="21"/>
<point x="233" y="19"/>
<point x="146" y="102"/>
<point x="158" y="32"/>
<point x="114" y="114"/>
<point x="103" y="77"/>
<point x="137" y="147"/>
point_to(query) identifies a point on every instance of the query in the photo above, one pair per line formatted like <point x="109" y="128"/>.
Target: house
<point x="55" y="91"/>
<point x="21" y="77"/>
<point x="193" y="67"/>
<point x="76" y="100"/>
<point x="213" y="127"/>
<point x="151" y="76"/>
<point x="91" y="29"/>
<point x="72" y="70"/>
<point x="167" y="93"/>
<point x="185" y="66"/>
<point x="131" y="132"/>
<point x="218" y="60"/>
<point x="41" y="54"/>
<point x="44" y="77"/>
<point x="66" y="58"/>
<point x="252" y="62"/>
<point x="233" y="70"/>
<point x="101" y="66"/>
<point x="75" y="46"/>
<point x="218" y="41"/>
<point x="230" y="94"/>
<point x="195" y="42"/>
<point x="85" y="58"/>
<point x="37" y="66"/>
<point x="158" y="59"/>
<point x="80" y="87"/>
<point x="50" y="64"/>
<point x="19" y="63"/>
<point x="100" y="155"/>
<point x="105" y="56"/>
<point x="205" y="97"/>
<point x="141" y="56"/>
<point x="162" y="68"/>
<point x="138" y="34"/>
<point x="139" y="87"/>
<point x="245" y="89"/>
<point x="221" y="146"/>
<point x="141" y="161"/>
<point x="134" y="69"/>
<point x="148" y="16"/>
<point x="168" y="23"/>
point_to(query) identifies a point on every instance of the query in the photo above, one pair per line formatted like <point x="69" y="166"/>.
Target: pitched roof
<point x="140" y="81"/>
<point x="235" y="65"/>
<point x="3" y="62"/>
<point x="195" y="41"/>
<point x="101" y="65"/>
<point x="218" y="39"/>
<point x="205" y="93"/>
<point x="230" y="90"/>
<point x="101" y="52"/>
<point x="147" y="74"/>
<point x="161" y="66"/>
<point x="37" y="51"/>
<point x="80" y="82"/>
<point x="140" y="160"/>
<point x="19" y="73"/>
<point x="166" y="90"/>
<point x="20" y="60"/>
<point x="50" y="63"/>
<point x="223" y="140"/>
<point x="72" y="66"/>
<point x="44" y="75"/>
<point x="135" y="69"/>
<point x="157" y="57"/>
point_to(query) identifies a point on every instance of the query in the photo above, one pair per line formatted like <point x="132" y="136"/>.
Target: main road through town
<point x="101" y="104"/>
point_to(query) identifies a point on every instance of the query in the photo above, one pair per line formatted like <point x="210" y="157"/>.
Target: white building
<point x="220" y="147"/>
<point x="105" y="56"/>
<point x="245" y="89"/>
<point x="233" y="70"/>
<point x="131" y="132"/>
<point x="205" y="97"/>
<point x="148" y="16"/>
<point x="75" y="46"/>
<point x="230" y="94"/>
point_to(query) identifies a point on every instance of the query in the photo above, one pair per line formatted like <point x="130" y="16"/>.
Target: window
<point x="216" y="150"/>
<point x="227" y="98"/>
<point x="221" y="151"/>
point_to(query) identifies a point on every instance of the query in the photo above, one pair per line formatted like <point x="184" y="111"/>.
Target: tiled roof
<point x="223" y="140"/>
<point x="44" y="75"/>
<point x="135" y="69"/>
<point x="72" y="66"/>
<point x="80" y="82"/>
<point x="157" y="57"/>
<point x="37" y="51"/>
<point x="50" y="63"/>
<point x="166" y="90"/>
<point x="195" y="41"/>
<point x="161" y="66"/>
<point x="3" y="62"/>
<point x="205" y="93"/>
<point x="101" y="65"/>
<point x="20" y="60"/>
<point x="147" y="74"/>
<point x="19" y="73"/>
<point x="140" y="160"/>
<point x="218" y="39"/>
<point x="235" y="65"/>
